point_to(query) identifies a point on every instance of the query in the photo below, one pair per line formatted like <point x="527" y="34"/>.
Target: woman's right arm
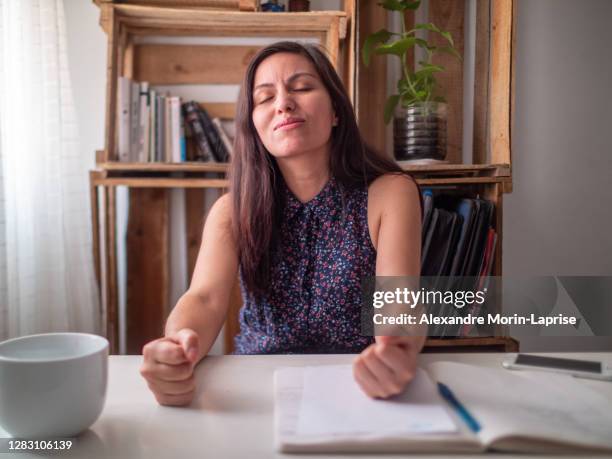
<point x="204" y="306"/>
<point x="198" y="316"/>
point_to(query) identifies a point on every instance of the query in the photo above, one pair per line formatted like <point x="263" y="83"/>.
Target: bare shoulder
<point x="393" y="198"/>
<point x="392" y="190"/>
<point x="220" y="214"/>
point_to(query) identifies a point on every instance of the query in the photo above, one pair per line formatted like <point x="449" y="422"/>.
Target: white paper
<point x="333" y="404"/>
<point x="530" y="404"/>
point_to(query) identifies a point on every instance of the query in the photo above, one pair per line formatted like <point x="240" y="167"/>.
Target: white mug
<point x="52" y="385"/>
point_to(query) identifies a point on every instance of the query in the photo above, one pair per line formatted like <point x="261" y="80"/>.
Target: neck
<point x="305" y="175"/>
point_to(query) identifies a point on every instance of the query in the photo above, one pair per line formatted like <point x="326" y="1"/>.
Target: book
<point x="134" y="120"/>
<point x="466" y="208"/>
<point x="160" y="130"/>
<point x="322" y="410"/>
<point x="483" y="279"/>
<point x="175" y="129"/>
<point x="440" y="243"/>
<point x="152" y="125"/>
<point x="183" y="139"/>
<point x="123" y="119"/>
<point x="481" y="229"/>
<point x="218" y="150"/>
<point x="193" y="120"/>
<point x="229" y="127"/>
<point x="167" y="129"/>
<point x="144" y="122"/>
<point x="428" y="200"/>
<point x="224" y="136"/>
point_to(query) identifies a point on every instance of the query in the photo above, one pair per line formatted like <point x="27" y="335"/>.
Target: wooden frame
<point x="99" y="181"/>
<point x="493" y="98"/>
<point x="241" y="5"/>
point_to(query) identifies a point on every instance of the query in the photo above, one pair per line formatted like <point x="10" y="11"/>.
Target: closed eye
<point x="295" y="90"/>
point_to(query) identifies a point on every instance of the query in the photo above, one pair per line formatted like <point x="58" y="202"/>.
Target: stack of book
<point x="154" y="127"/>
<point x="458" y="245"/>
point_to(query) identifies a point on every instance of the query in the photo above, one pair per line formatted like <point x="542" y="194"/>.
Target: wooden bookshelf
<point x="128" y="23"/>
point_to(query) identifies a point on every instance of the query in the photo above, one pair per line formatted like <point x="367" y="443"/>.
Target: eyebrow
<point x="289" y="80"/>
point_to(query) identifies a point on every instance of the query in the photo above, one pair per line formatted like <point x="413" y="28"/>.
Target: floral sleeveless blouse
<point x="313" y="303"/>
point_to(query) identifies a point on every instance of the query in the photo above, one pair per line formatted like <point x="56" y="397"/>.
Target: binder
<point x="428" y="202"/>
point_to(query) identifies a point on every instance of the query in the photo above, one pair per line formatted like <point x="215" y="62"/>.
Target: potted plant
<point x="419" y="111"/>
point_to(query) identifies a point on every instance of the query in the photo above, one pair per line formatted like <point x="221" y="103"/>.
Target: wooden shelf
<point x="216" y="22"/>
<point x="242" y="5"/>
<point x="494" y="170"/>
<point x="163" y="167"/>
<point x="197" y="175"/>
<point x="453" y="170"/>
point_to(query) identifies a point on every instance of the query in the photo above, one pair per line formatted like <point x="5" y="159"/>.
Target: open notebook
<point x="321" y="409"/>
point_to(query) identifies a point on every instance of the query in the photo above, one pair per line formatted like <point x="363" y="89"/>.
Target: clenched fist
<point x="384" y="368"/>
<point x="168" y="367"/>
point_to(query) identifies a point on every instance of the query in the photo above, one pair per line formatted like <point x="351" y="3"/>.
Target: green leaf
<point x="408" y="101"/>
<point x="433" y="28"/>
<point x="449" y="50"/>
<point x="448" y="37"/>
<point x="393" y="5"/>
<point x="422" y="43"/>
<point x="411" y="5"/>
<point x="400" y="5"/>
<point x="390" y="105"/>
<point x="371" y="41"/>
<point x="429" y="26"/>
<point x="427" y="68"/>
<point x="397" y="48"/>
<point x="402" y="86"/>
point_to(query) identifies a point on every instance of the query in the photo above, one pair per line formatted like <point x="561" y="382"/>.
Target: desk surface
<point x="231" y="416"/>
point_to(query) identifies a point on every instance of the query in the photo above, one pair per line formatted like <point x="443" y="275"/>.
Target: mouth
<point x="289" y="123"/>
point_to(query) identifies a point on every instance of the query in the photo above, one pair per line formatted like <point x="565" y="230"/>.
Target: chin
<point x="288" y="152"/>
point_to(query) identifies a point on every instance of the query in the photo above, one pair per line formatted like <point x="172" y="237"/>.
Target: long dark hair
<point x="254" y="174"/>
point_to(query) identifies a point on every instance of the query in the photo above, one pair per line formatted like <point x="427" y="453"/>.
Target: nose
<point x="284" y="102"/>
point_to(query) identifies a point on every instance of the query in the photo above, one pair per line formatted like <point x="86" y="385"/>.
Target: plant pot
<point x="419" y="131"/>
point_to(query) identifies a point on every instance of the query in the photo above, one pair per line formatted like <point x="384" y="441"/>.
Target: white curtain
<point x="47" y="281"/>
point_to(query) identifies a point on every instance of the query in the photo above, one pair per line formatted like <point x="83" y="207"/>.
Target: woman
<point x="311" y="211"/>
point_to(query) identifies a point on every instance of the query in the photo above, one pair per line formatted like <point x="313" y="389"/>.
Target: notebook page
<point x="288" y="386"/>
<point x="529" y="405"/>
<point x="333" y="403"/>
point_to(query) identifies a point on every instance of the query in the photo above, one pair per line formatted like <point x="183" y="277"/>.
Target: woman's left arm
<point x="384" y="368"/>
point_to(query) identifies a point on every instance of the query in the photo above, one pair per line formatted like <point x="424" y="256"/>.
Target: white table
<point x="231" y="416"/>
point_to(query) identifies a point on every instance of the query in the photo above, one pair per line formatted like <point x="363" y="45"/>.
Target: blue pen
<point x="461" y="410"/>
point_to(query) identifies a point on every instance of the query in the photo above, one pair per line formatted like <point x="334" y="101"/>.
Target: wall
<point x="87" y="57"/>
<point x="557" y="220"/>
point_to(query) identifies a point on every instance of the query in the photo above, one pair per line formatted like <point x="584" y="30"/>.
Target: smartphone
<point x="579" y="368"/>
